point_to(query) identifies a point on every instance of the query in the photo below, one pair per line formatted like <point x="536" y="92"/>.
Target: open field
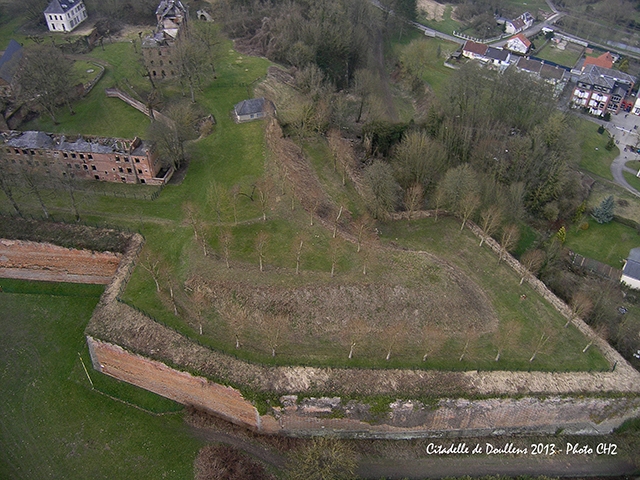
<point x="633" y="180"/>
<point x="53" y="423"/>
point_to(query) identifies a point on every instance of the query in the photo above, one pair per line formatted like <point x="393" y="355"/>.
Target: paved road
<point x="624" y="127"/>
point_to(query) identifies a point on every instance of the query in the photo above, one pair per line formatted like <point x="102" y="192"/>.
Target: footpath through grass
<point x="53" y="425"/>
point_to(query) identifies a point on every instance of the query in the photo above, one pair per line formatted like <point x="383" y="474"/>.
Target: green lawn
<point x="594" y="157"/>
<point x="446" y="25"/>
<point x="632" y="179"/>
<point x="608" y="243"/>
<point x="54" y="425"/>
<point x="567" y="57"/>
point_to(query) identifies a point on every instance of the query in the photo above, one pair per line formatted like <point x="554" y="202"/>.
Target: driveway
<point x="624" y="128"/>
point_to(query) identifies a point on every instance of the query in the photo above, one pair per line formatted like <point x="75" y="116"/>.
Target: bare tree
<point x="274" y="330"/>
<point x="298" y="244"/>
<point x="508" y="240"/>
<point x="191" y="211"/>
<point x="32" y="182"/>
<point x="261" y="245"/>
<point x="506" y="336"/>
<point x="433" y="336"/>
<point x="468" y="205"/>
<point x="356" y="330"/>
<point x="6" y="185"/>
<point x="264" y="188"/>
<point x="44" y="78"/>
<point x="236" y="317"/>
<point x="394" y="333"/>
<point x="335" y="249"/>
<point x="532" y="261"/>
<point x="335" y="223"/>
<point x="581" y="306"/>
<point x="491" y="218"/>
<point x="413" y="198"/>
<point x="218" y="198"/>
<point x="192" y="60"/>
<point x="363" y="225"/>
<point x="226" y="237"/>
<point x="151" y="264"/>
<point x="544" y="338"/>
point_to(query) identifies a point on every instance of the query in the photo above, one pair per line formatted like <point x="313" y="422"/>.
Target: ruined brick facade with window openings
<point x="106" y="159"/>
<point x="157" y="47"/>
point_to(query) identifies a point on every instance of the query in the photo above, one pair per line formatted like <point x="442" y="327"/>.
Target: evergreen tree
<point x="603" y="213"/>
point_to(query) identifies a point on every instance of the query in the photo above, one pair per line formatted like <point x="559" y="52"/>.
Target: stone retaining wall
<point x="46" y="262"/>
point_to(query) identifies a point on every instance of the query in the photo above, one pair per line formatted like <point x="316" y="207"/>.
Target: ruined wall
<point x="46" y="262"/>
<point x="180" y="386"/>
<point x="301" y="416"/>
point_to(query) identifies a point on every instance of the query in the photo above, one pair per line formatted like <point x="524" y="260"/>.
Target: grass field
<point x="567" y="57"/>
<point x="594" y="157"/>
<point x="54" y="425"/>
<point x="608" y="243"/>
<point x="633" y="180"/>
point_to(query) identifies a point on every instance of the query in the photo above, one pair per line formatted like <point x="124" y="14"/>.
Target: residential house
<point x="251" y="109"/>
<point x="65" y="15"/>
<point x="9" y="63"/>
<point x="552" y="74"/>
<point x="497" y="57"/>
<point x="519" y="44"/>
<point x="601" y="90"/>
<point x="631" y="270"/>
<point x="157" y="48"/>
<point x="84" y="157"/>
<point x="474" y="50"/>
<point x="519" y="24"/>
<point x="605" y="61"/>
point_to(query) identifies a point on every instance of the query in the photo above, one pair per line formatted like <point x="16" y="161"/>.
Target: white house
<point x="631" y="269"/>
<point x="519" y="24"/>
<point x="65" y="15"/>
<point x="252" y="109"/>
<point x="519" y="44"/>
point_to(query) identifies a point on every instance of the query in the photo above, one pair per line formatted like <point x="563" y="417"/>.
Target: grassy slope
<point x="594" y="157"/>
<point x="53" y="424"/>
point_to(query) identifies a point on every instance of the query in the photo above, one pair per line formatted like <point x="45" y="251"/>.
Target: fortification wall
<point x="46" y="262"/>
<point x="303" y="416"/>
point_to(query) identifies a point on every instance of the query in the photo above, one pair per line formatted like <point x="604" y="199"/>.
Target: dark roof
<point x="249" y="107"/>
<point x="497" y="54"/>
<point x="474" y="47"/>
<point x="42" y="140"/>
<point x="61" y="6"/>
<point x="632" y="267"/>
<point x="529" y="65"/>
<point x="551" y="72"/>
<point x="31" y="139"/>
<point x="170" y="8"/>
<point x="9" y="61"/>
<point x="595" y="75"/>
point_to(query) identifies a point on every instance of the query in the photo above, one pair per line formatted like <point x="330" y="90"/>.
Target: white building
<point x="65" y="15"/>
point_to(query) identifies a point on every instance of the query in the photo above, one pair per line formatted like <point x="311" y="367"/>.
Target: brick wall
<point x="46" y="262"/>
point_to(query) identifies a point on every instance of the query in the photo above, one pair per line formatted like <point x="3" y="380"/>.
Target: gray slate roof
<point x="607" y="77"/>
<point x="42" y="140"/>
<point x="497" y="54"/>
<point x="61" y="6"/>
<point x="170" y="8"/>
<point x="250" y="107"/>
<point x="632" y="267"/>
<point x="10" y="60"/>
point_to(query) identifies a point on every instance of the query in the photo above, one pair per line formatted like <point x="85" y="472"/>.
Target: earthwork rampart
<point x="130" y="346"/>
<point x="126" y="344"/>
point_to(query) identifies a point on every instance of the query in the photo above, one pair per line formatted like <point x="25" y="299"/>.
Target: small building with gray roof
<point x="631" y="269"/>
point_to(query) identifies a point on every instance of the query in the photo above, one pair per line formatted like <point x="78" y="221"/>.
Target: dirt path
<point x="441" y="467"/>
<point x="260" y="452"/>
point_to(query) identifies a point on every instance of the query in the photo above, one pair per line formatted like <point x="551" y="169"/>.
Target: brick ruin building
<point x="86" y="157"/>
<point x="157" y="47"/>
